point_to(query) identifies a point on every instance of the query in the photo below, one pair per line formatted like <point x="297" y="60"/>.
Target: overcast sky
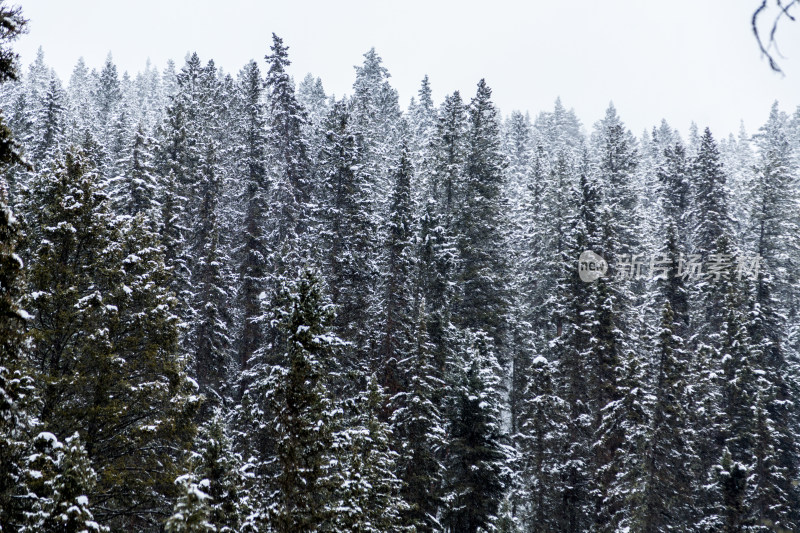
<point x="682" y="60"/>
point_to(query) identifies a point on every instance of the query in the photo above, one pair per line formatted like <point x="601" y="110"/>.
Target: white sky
<point x="682" y="60"/>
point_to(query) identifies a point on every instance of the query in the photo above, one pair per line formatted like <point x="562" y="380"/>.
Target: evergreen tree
<point x="15" y="384"/>
<point x="191" y="513"/>
<point x="419" y="430"/>
<point x="397" y="305"/>
<point x="291" y="186"/>
<point x="665" y="500"/>
<point x="253" y="252"/>
<point x="475" y="476"/>
<point x="541" y="423"/>
<point x="710" y="213"/>
<point x="376" y="117"/>
<point x="105" y="338"/>
<point x="213" y="494"/>
<point x="301" y="496"/>
<point x="139" y="189"/>
<point x="210" y="337"/>
<point x="108" y="92"/>
<point x="437" y="252"/>
<point x="347" y="232"/>
<point x="774" y="227"/>
<point x="63" y="478"/>
<point x="368" y="499"/>
<point x="50" y="122"/>
<point x="573" y="318"/>
<point x="480" y="226"/>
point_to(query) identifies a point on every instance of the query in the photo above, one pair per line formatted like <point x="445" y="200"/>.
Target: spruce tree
<point x="773" y="233"/>
<point x="15" y="383"/>
<point x="209" y="338"/>
<point x="213" y="490"/>
<point x="419" y="432"/>
<point x="50" y="122"/>
<point x="474" y="469"/>
<point x="665" y="500"/>
<point x="368" y="498"/>
<point x="480" y="227"/>
<point x="398" y="291"/>
<point x="542" y="422"/>
<point x="139" y="189"/>
<point x="300" y="497"/>
<point x="710" y="206"/>
<point x="191" y="512"/>
<point x="105" y="338"/>
<point x="108" y="92"/>
<point x="291" y="186"/>
<point x="347" y="232"/>
<point x="253" y="252"/>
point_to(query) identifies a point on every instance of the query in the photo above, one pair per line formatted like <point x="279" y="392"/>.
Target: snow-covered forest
<point x="230" y="302"/>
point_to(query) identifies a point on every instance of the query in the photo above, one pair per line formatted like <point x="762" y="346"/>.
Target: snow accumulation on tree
<point x="233" y="304"/>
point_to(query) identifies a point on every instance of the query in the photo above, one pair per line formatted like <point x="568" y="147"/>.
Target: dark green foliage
<point x="480" y="226"/>
<point x="64" y="476"/>
<point x="419" y="432"/>
<point x="105" y="342"/>
<point x="253" y="254"/>
<point x="475" y="476"/>
<point x="300" y="497"/>
<point x="347" y="229"/>
<point x="15" y="384"/>
<point x="397" y="304"/>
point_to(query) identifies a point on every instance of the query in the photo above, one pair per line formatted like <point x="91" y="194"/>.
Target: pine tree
<point x="541" y="424"/>
<point x="573" y="319"/>
<point x="291" y="186"/>
<point x="311" y="95"/>
<point x="376" y="117"/>
<point x="63" y="477"/>
<point x="253" y="253"/>
<point x="437" y="252"/>
<point x="300" y="497"/>
<point x="190" y="146"/>
<point x="422" y="120"/>
<point x="475" y="476"/>
<point x="50" y="122"/>
<point x="480" y="226"/>
<point x="108" y="93"/>
<point x="397" y="305"/>
<point x="210" y="337"/>
<point x="449" y="155"/>
<point x="213" y="490"/>
<point x="82" y="110"/>
<point x="191" y="513"/>
<point x="419" y="431"/>
<point x="732" y="482"/>
<point x="139" y="189"/>
<point x="665" y="500"/>
<point x="710" y="213"/>
<point x="773" y="232"/>
<point x="368" y="499"/>
<point x="347" y="232"/>
<point x="15" y="383"/>
<point x="560" y="131"/>
<point x="105" y="338"/>
<point x="615" y="375"/>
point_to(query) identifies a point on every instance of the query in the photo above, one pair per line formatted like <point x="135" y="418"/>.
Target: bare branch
<point x="770" y="48"/>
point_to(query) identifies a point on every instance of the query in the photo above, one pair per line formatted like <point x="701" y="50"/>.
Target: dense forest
<point x="229" y="303"/>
